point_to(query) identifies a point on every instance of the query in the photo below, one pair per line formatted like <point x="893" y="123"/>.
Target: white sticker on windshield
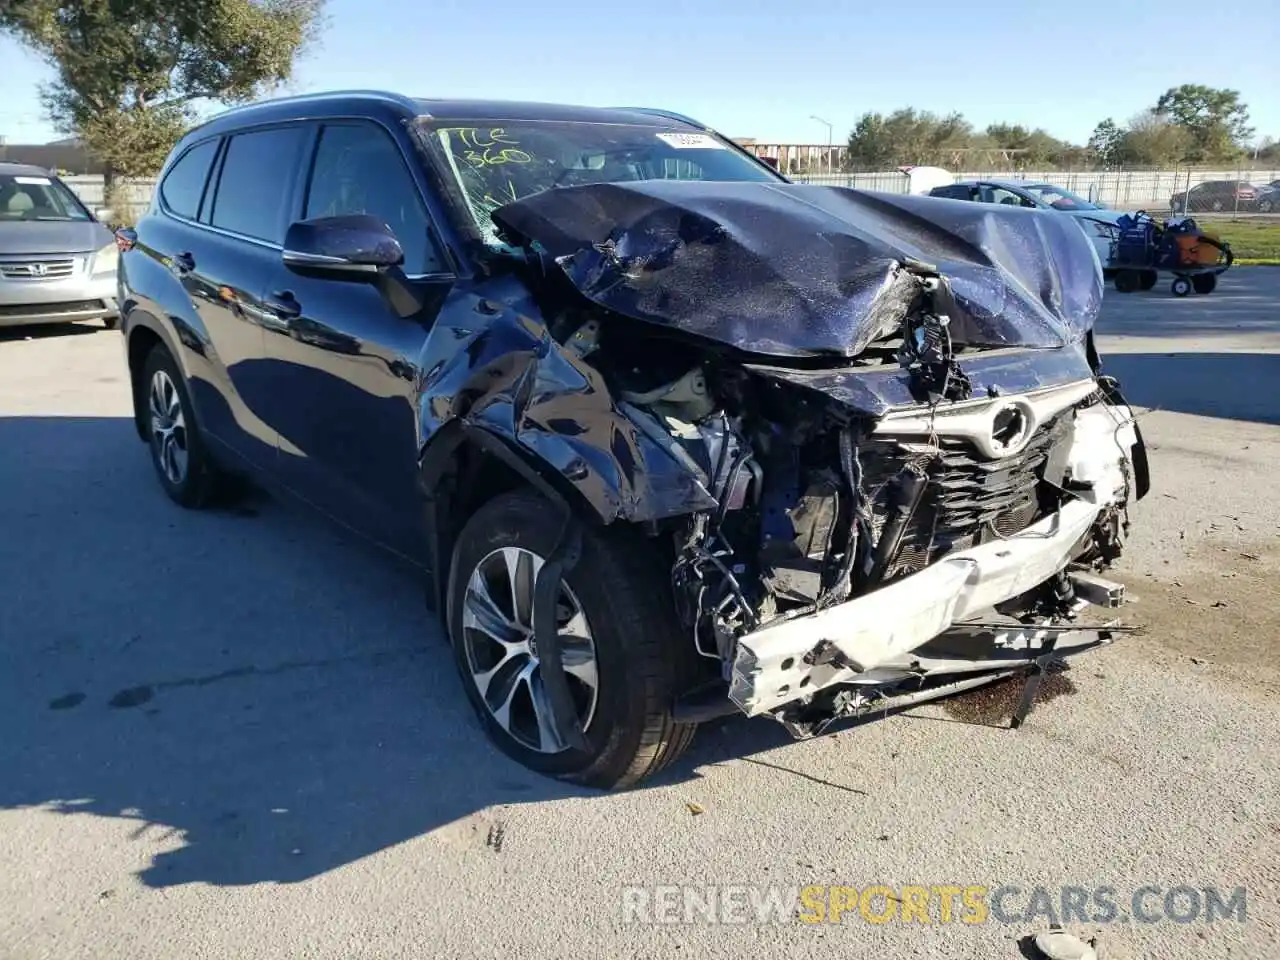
<point x="34" y="181"/>
<point x="691" y="141"/>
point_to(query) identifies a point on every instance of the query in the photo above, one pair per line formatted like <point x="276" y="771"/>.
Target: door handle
<point x="184" y="262"/>
<point x="284" y="305"/>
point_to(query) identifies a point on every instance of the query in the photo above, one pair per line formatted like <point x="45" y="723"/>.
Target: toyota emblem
<point x="1011" y="428"/>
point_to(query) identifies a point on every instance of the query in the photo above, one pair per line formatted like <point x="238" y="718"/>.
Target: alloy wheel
<point x="168" y="428"/>
<point x="502" y="652"/>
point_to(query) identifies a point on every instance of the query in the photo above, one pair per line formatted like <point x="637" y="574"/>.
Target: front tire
<point x="178" y="453"/>
<point x="623" y="651"/>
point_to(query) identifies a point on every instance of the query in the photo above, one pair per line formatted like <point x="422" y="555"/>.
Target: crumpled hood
<point x="789" y="270"/>
<point x="19" y="237"/>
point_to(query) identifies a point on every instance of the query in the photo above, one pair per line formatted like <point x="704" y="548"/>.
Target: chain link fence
<point x="1242" y="191"/>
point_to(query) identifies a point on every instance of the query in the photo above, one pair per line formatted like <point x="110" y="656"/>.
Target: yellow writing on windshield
<point x="485" y="146"/>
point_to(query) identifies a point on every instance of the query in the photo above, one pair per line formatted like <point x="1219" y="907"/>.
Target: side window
<point x="254" y="186"/>
<point x="1007" y="197"/>
<point x="959" y="191"/>
<point x="184" y="183"/>
<point x="359" y="169"/>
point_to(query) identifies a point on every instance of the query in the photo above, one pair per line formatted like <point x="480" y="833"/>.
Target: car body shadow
<point x="46" y="331"/>
<point x="1243" y="304"/>
<point x="264" y="695"/>
<point x="1233" y="386"/>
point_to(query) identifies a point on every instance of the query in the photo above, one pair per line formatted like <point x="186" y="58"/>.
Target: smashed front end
<point x="914" y="470"/>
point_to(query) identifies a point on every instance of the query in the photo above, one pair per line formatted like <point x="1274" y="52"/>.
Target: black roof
<point x="1007" y="184"/>
<point x="22" y="169"/>
<point x="360" y="102"/>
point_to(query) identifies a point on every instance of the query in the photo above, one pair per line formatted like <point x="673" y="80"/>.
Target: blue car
<point x="1098" y="222"/>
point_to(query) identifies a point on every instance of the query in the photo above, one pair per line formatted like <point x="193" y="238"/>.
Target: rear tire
<point x="1127" y="281"/>
<point x="1204" y="282"/>
<point x="639" y="657"/>
<point x="182" y="462"/>
<point x="1148" y="281"/>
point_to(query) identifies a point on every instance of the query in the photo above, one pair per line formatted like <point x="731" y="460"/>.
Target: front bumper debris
<point x="876" y="639"/>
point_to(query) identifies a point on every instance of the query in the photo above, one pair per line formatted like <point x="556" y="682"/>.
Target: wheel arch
<point x="462" y="467"/>
<point x="143" y="336"/>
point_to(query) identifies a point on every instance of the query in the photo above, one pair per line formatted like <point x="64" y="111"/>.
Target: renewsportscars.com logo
<point x="931" y="904"/>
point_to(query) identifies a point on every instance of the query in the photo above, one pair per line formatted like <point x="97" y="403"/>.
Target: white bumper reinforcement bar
<point x="770" y="667"/>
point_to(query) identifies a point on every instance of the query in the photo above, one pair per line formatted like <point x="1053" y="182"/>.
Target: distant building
<point x="69" y="156"/>
<point x="797" y="157"/>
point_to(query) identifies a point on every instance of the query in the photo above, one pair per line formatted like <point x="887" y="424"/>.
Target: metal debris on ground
<point x="1060" y="945"/>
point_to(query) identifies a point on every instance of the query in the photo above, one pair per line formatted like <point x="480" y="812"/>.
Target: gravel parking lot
<point x="239" y="734"/>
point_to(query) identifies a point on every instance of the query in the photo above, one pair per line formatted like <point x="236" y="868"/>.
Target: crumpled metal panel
<point x="789" y="270"/>
<point x="492" y="363"/>
<point x="874" y="391"/>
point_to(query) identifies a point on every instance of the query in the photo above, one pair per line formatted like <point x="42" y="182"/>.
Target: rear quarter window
<point x="183" y="185"/>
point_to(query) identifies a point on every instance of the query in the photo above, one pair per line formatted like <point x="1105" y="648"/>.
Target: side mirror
<point x="352" y="247"/>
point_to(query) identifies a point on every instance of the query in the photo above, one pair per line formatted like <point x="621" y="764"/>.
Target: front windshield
<point x="34" y="197"/>
<point x="494" y="162"/>
<point x="1059" y="198"/>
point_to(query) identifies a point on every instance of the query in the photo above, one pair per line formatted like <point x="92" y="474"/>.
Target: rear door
<point x="225" y="203"/>
<point x="245" y="218"/>
<point x="345" y="366"/>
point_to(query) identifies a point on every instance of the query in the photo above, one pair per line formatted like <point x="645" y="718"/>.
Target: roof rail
<point x="668" y="114"/>
<point x="385" y="95"/>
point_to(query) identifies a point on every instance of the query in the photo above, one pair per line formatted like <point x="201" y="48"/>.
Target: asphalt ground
<point x="239" y="734"/>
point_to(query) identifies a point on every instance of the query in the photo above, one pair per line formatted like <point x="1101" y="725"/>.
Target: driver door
<point x="1002" y="195"/>
<point x="346" y="366"/>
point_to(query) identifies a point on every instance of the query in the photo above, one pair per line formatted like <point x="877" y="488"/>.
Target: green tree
<point x="1215" y="119"/>
<point x="1152" y="141"/>
<point x="130" y="72"/>
<point x="906" y="136"/>
<point x="1032" y="148"/>
<point x="1106" y="143"/>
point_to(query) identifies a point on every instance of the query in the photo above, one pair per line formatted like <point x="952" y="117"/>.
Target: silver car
<point x="1098" y="222"/>
<point x="57" y="261"/>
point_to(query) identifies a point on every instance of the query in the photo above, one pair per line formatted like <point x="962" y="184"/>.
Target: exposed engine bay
<point x="925" y="509"/>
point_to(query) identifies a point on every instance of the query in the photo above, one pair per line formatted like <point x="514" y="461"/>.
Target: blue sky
<point x="760" y="69"/>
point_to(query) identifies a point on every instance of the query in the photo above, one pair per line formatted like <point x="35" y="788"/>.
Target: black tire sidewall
<point x="192" y="490"/>
<point x="528" y="520"/>
<point x="1205" y="283"/>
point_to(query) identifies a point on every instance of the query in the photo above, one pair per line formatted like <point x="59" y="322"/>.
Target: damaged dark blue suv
<point x="669" y="435"/>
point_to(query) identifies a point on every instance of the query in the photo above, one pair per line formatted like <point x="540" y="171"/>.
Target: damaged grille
<point x="968" y="500"/>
